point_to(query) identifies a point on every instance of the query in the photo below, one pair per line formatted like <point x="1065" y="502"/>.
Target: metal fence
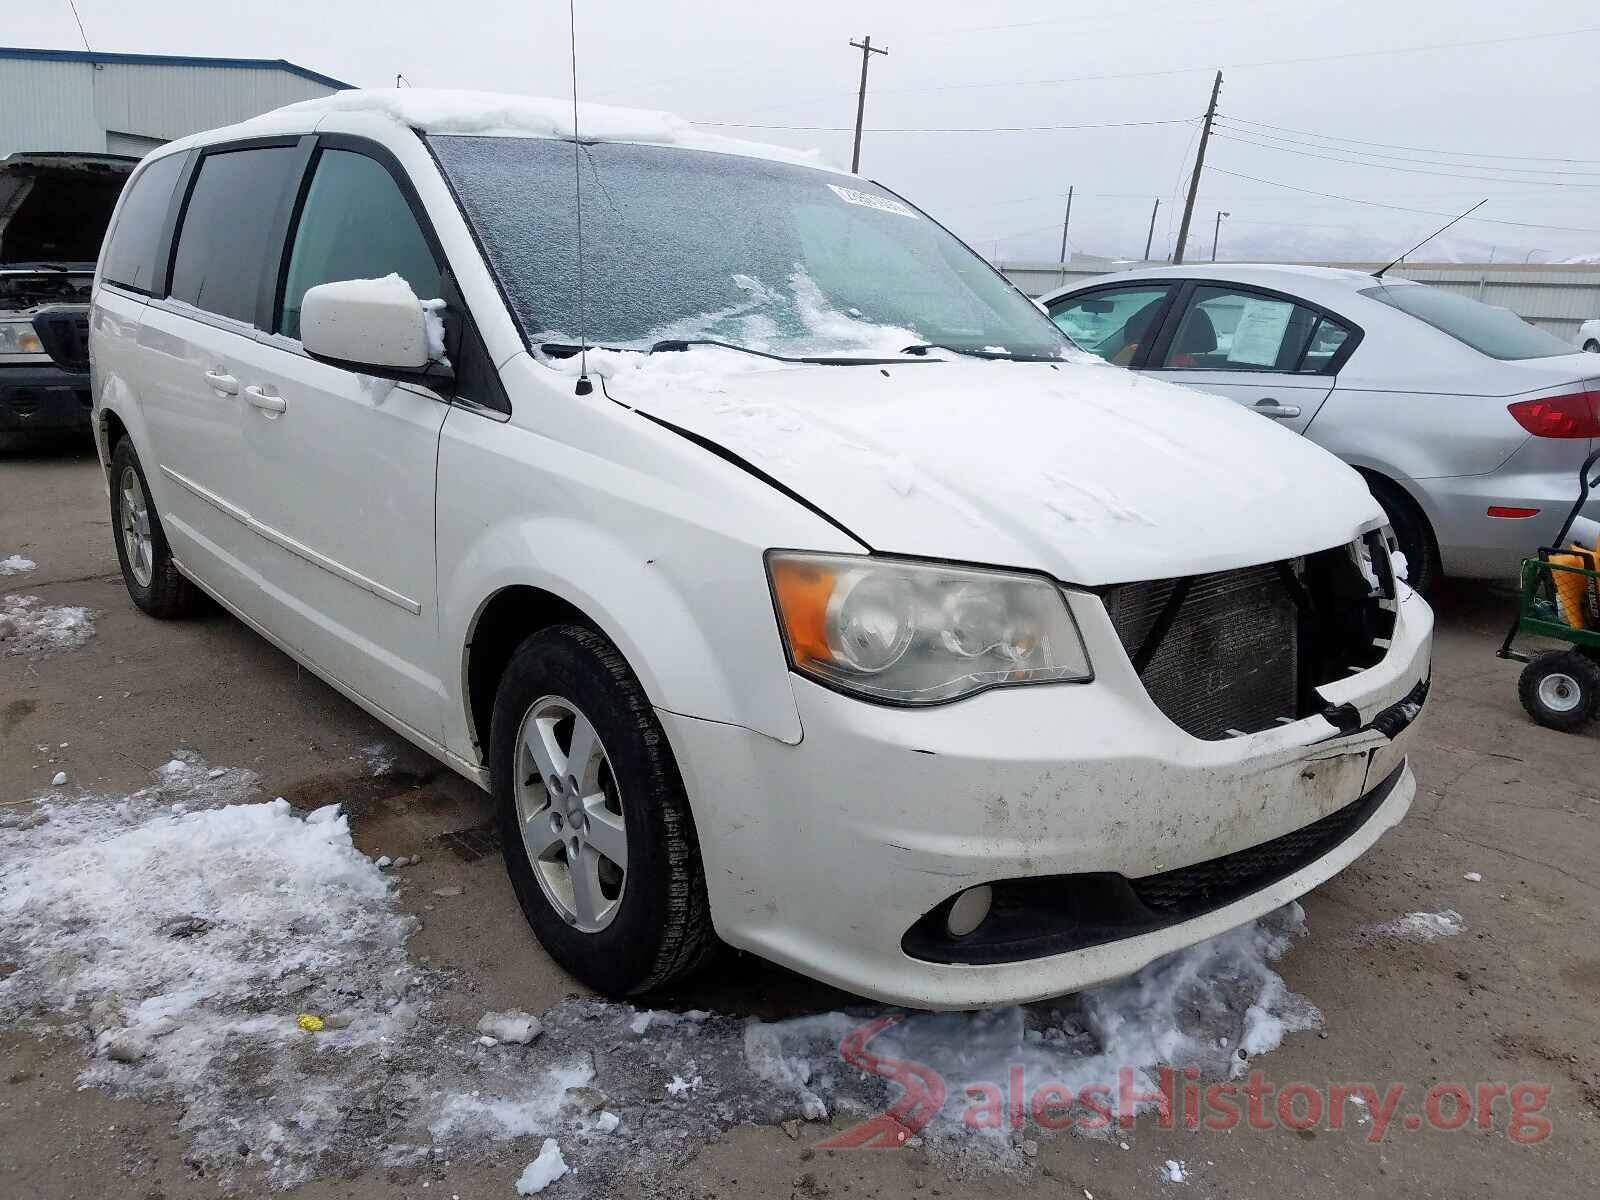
<point x="1556" y="297"/>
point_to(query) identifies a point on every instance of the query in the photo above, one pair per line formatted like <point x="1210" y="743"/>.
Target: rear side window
<point x="1488" y="330"/>
<point x="223" y="246"/>
<point x="355" y="224"/>
<point x="130" y="254"/>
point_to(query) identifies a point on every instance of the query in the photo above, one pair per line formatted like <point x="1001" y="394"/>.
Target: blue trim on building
<point x="172" y="60"/>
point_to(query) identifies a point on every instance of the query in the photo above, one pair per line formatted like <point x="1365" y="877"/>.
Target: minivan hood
<point x="1090" y="473"/>
<point x="54" y="207"/>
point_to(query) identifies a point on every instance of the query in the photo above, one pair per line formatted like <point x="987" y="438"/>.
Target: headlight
<point x="920" y="633"/>
<point x="18" y="337"/>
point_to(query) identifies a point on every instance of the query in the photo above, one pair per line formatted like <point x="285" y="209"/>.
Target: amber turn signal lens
<point x="803" y="590"/>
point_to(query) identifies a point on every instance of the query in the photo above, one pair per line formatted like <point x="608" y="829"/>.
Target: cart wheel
<point x="1561" y="689"/>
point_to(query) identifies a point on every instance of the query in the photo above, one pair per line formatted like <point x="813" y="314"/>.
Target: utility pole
<point x="1151" y="236"/>
<point x="1065" y="221"/>
<point x="1199" y="162"/>
<point x="867" y="51"/>
<point x="1215" y="230"/>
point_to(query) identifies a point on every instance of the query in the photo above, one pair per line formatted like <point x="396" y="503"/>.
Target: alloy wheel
<point x="570" y="811"/>
<point x="133" y="512"/>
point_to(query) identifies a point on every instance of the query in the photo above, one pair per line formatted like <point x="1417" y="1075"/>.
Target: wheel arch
<point x="504" y="620"/>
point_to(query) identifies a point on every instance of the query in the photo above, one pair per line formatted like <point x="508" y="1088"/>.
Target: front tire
<point x="594" y="821"/>
<point x="1592" y="346"/>
<point x="153" y="580"/>
<point x="1561" y="690"/>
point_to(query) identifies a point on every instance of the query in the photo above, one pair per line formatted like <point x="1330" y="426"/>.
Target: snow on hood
<point x="498" y="114"/>
<point x="1093" y="474"/>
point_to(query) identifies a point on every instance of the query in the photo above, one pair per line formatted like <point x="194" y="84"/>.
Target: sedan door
<point x="1269" y="352"/>
<point x="342" y="465"/>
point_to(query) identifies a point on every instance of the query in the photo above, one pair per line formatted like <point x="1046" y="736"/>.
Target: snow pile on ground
<point x="29" y="627"/>
<point x="15" y="564"/>
<point x="1174" y="1170"/>
<point x="542" y="1171"/>
<point x="1420" y="926"/>
<point x="245" y="961"/>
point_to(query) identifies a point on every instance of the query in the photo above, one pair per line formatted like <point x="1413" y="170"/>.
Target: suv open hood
<point x="1092" y="474"/>
<point x="54" y="208"/>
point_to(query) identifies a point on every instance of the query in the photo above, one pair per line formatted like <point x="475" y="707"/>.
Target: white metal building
<point x="77" y="100"/>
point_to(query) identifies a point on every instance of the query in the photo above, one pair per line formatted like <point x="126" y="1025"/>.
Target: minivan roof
<point x="498" y="114"/>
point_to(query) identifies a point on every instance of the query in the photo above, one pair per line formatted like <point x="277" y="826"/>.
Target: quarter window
<point x="355" y="224"/>
<point x="130" y="253"/>
<point x="1113" y="322"/>
<point x="224" y="246"/>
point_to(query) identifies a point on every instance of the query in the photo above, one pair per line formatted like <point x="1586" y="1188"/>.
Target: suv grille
<point x="1229" y="659"/>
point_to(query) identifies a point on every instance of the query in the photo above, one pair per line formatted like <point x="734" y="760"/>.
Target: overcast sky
<point x="1482" y="111"/>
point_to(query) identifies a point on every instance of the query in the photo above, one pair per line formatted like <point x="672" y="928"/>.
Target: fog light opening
<point x="968" y="911"/>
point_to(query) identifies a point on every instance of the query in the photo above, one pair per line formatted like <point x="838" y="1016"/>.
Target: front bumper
<point x="43" y="398"/>
<point x="823" y="855"/>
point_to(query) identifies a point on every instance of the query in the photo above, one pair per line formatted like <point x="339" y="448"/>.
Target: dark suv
<point x="54" y="208"/>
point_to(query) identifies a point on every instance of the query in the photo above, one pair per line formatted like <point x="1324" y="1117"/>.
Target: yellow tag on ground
<point x="309" y="1022"/>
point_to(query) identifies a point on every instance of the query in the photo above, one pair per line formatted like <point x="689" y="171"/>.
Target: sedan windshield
<point x="685" y="245"/>
<point x="1488" y="330"/>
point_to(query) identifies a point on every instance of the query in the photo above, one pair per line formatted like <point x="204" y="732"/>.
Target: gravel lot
<point x="1512" y="997"/>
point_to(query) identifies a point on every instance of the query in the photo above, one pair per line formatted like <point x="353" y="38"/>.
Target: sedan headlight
<point x="18" y="337"/>
<point x="908" y="632"/>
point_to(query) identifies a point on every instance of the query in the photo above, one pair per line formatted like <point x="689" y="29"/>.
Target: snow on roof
<point x="498" y="114"/>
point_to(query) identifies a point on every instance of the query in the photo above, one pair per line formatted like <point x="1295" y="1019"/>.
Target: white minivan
<point x="777" y="566"/>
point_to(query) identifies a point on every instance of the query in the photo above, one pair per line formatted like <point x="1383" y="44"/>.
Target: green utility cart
<point x="1561" y="600"/>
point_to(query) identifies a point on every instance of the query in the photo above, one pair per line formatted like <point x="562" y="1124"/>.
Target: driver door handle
<point x="1268" y="407"/>
<point x="264" y="400"/>
<point x="223" y="382"/>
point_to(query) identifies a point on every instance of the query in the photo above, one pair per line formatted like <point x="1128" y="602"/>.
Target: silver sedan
<point x="1468" y="423"/>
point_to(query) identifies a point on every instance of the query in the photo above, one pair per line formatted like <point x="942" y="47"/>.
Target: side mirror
<point x="377" y="327"/>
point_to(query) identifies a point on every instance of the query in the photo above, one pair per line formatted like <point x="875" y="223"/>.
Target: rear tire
<point x="621" y="928"/>
<point x="1592" y="346"/>
<point x="1412" y="532"/>
<point x="1561" y="690"/>
<point x="153" y="580"/>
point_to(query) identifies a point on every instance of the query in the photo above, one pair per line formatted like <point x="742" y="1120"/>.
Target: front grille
<point x="64" y="333"/>
<point x="1229" y="660"/>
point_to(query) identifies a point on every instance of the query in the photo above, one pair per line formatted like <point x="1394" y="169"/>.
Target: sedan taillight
<point x="1573" y="416"/>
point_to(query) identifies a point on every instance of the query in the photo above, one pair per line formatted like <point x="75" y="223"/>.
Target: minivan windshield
<point x="685" y="245"/>
<point x="1488" y="330"/>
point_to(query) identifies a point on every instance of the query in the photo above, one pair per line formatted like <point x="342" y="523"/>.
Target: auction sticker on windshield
<point x="868" y="200"/>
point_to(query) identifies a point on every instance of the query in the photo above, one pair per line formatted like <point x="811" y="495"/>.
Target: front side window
<point x="1227" y="329"/>
<point x="686" y="244"/>
<point x="1488" y="330"/>
<point x="355" y="224"/>
<point x="1113" y="322"/>
<point x="130" y="252"/>
<point x="223" y="245"/>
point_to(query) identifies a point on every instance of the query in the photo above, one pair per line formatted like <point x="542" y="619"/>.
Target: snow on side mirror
<point x="377" y="325"/>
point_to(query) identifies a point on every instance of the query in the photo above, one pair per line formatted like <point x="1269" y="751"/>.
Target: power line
<point x="1426" y="212"/>
<point x="941" y="129"/>
<point x="1354" y="153"/>
<point x="1272" y="62"/>
<point x="1328" y="137"/>
<point x="72" y="4"/>
<point x="1355" y="162"/>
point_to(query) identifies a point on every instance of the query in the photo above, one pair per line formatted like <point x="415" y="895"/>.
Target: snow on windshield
<point x="684" y="244"/>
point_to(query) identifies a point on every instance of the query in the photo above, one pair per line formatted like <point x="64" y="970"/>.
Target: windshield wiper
<point x="681" y="344"/>
<point x="922" y="348"/>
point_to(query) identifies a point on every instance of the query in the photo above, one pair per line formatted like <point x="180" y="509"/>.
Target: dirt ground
<point x="1514" y="998"/>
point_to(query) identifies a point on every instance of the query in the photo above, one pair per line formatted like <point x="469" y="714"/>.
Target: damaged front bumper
<point x="839" y="856"/>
